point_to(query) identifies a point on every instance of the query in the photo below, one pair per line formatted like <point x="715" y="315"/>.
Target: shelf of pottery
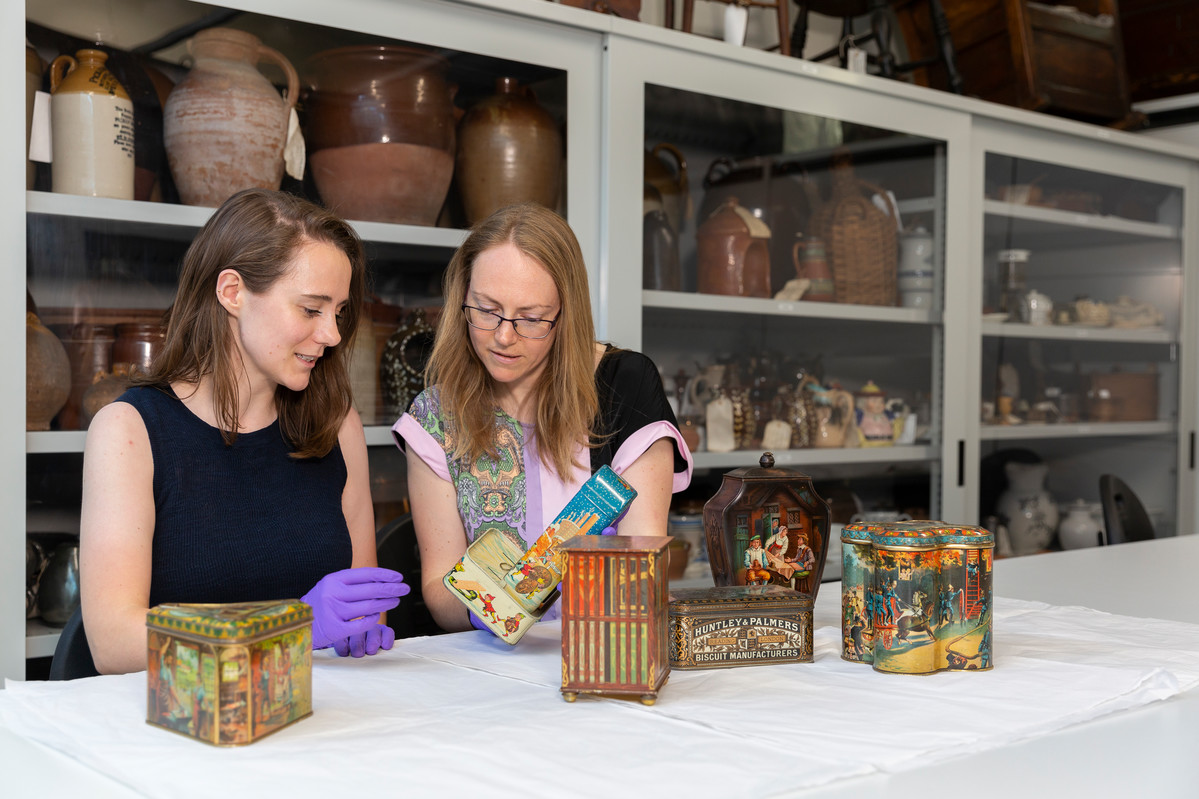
<point x="1082" y="314"/>
<point x="408" y="135"/>
<point x="790" y="268"/>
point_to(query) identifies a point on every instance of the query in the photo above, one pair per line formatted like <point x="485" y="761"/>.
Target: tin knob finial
<point x="767" y="460"/>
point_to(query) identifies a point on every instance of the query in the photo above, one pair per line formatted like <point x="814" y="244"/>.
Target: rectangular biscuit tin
<point x="739" y="625"/>
<point x="229" y="674"/>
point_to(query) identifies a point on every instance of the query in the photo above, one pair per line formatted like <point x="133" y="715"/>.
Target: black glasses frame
<point x="552" y="322"/>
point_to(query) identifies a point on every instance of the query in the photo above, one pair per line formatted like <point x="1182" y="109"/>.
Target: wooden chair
<point x="941" y="52"/>
<point x="780" y="7"/>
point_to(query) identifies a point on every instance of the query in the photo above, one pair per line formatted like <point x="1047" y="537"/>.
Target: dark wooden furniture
<point x="779" y="6"/>
<point x="1024" y="54"/>
<point x="1161" y="44"/>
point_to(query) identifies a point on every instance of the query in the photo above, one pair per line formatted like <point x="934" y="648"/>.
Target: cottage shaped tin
<point x="740" y="625"/>
<point x="229" y="674"/>
<point x="916" y="596"/>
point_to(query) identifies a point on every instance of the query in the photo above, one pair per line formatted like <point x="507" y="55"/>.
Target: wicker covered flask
<point x="862" y="241"/>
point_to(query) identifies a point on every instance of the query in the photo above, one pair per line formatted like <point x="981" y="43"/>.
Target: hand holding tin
<point x="346" y="604"/>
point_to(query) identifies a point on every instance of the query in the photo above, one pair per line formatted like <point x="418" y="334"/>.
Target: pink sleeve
<point x="636" y="445"/>
<point x="408" y="431"/>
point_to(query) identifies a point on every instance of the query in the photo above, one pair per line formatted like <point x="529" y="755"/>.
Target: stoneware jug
<point x="666" y="171"/>
<point x="1080" y="528"/>
<point x="734" y="253"/>
<point x="1027" y="508"/>
<point x="660" y="270"/>
<point x="58" y="587"/>
<point x="509" y="151"/>
<point x="379" y="128"/>
<point x="91" y="128"/>
<point x="814" y="267"/>
<point x="224" y="124"/>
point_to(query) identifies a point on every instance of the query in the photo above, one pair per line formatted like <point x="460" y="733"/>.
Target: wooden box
<point x="916" y="596"/>
<point x="1024" y="55"/>
<point x="742" y="625"/>
<point x="614" y="606"/>
<point x="510" y="590"/>
<point x="229" y="674"/>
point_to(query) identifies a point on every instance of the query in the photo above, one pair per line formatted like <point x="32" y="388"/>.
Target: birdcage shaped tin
<point x="614" y="610"/>
<point x="229" y="674"/>
<point x="767" y="526"/>
<point x="916" y="596"/>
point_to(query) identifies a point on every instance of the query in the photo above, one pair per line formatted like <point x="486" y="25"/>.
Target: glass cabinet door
<point x="1082" y="349"/>
<point x="791" y="264"/>
<point x="101" y="271"/>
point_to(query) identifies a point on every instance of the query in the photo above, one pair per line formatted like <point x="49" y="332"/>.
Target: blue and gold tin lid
<point x="234" y="621"/>
<point x="917" y="535"/>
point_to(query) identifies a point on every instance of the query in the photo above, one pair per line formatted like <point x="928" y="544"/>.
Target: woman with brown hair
<point x="524" y="404"/>
<point x="236" y="469"/>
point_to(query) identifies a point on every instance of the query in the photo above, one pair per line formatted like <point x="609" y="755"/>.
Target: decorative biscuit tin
<point x="614" y="599"/>
<point x="916" y="596"/>
<point x="509" y="590"/>
<point x="767" y="526"/>
<point x="740" y="625"/>
<point x="229" y="674"/>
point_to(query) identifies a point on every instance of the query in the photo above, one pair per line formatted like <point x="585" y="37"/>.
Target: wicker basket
<point x="862" y="240"/>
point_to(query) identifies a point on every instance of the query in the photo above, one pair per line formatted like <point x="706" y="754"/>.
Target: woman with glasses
<point x="524" y="404"/>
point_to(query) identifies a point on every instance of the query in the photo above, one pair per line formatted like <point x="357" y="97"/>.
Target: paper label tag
<point x="855" y="60"/>
<point x="293" y="150"/>
<point x="39" y="130"/>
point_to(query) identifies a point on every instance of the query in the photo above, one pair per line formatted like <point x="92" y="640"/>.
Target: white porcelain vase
<point x="1080" y="528"/>
<point x="1027" y="509"/>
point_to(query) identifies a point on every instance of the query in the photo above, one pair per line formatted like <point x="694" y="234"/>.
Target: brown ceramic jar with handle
<point x="509" y="151"/>
<point x="734" y="253"/>
<point x="224" y="124"/>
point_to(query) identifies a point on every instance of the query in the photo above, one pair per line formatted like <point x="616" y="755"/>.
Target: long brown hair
<point x="567" y="401"/>
<point x="257" y="232"/>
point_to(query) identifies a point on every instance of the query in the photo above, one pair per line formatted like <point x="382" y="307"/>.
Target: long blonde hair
<point x="567" y="401"/>
<point x="257" y="232"/>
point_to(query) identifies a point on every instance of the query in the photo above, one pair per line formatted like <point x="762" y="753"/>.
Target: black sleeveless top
<point x="242" y="523"/>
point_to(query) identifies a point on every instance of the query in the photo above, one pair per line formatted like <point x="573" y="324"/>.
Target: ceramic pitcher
<point x="1028" y="509"/>
<point x="225" y="125"/>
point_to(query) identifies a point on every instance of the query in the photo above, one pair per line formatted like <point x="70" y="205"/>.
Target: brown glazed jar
<point x="89" y="349"/>
<point x="137" y="343"/>
<point x="379" y="128"/>
<point x="509" y="151"/>
<point x="224" y="124"/>
<point x="734" y="253"/>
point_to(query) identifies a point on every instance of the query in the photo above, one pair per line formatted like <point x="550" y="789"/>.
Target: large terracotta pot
<point x="91" y="124"/>
<point x="89" y="349"/>
<point x="224" y="124"/>
<point x="509" y="151"/>
<point x="47" y="374"/>
<point x="379" y="127"/>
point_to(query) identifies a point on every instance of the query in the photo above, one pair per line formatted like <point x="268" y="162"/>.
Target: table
<point x="705" y="734"/>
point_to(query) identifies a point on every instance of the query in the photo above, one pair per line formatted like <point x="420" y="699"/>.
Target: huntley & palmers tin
<point x="229" y="674"/>
<point x="743" y="625"/>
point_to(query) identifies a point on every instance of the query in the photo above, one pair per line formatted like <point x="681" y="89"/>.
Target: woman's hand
<point x="346" y="606"/>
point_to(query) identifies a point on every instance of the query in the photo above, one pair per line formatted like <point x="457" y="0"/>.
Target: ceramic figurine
<point x="916" y="596"/>
<point x="834" y="412"/>
<point x="229" y="674"/>
<point x="875" y="423"/>
<point x="614" y="611"/>
<point x="767" y="526"/>
<point x="510" y="590"/>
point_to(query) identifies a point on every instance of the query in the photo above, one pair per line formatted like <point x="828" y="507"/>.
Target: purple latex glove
<point x="479" y="624"/>
<point x="611" y="529"/>
<point x="370" y="642"/>
<point x="347" y="603"/>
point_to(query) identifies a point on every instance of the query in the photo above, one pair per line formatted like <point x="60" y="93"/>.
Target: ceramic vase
<point x="379" y="127"/>
<point x="91" y="128"/>
<point x="916" y="272"/>
<point x="47" y="374"/>
<point x="813" y="266"/>
<point x="137" y="343"/>
<point x="668" y="175"/>
<point x="509" y="151"/>
<point x="1079" y="529"/>
<point x="89" y="350"/>
<point x="224" y="124"/>
<point x="659" y="246"/>
<point x="1027" y="509"/>
<point x="58" y="587"/>
<point x="733" y="248"/>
